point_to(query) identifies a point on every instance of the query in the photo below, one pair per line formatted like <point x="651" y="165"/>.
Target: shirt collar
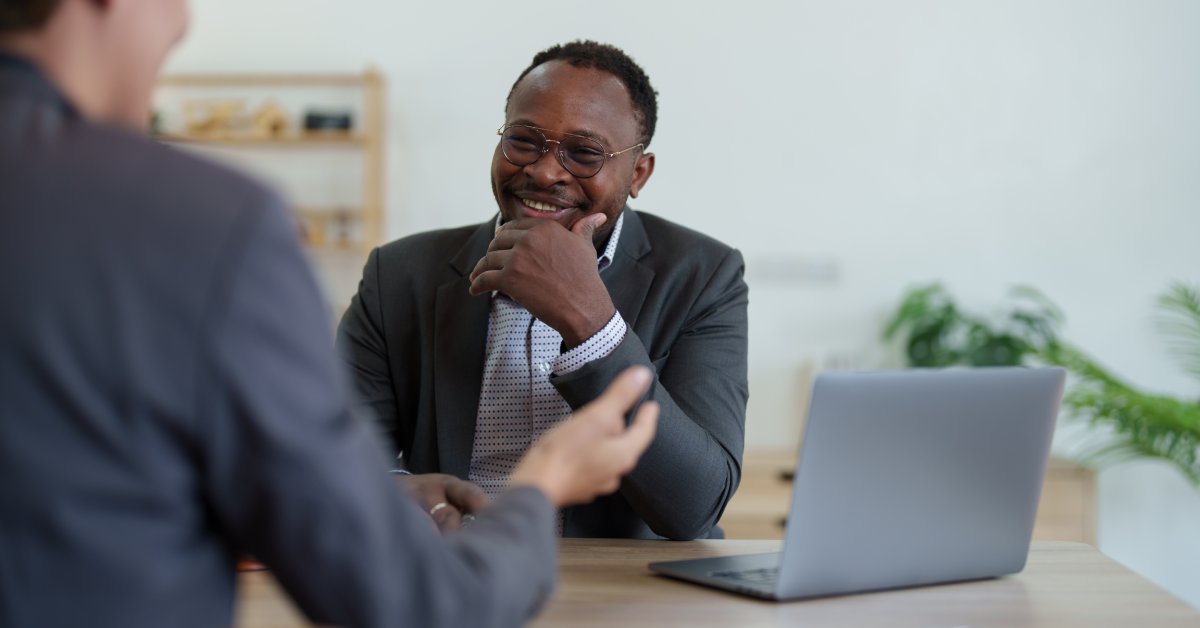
<point x="610" y="251"/>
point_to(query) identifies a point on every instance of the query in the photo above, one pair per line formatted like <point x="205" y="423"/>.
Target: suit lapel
<point x="628" y="280"/>
<point x="460" y="340"/>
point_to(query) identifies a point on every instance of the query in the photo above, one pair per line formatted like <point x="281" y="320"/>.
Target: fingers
<point x="484" y="283"/>
<point x="625" y="391"/>
<point x="444" y="498"/>
<point x="492" y="260"/>
<point x="625" y="449"/>
<point x="588" y="225"/>
<point x="465" y="496"/>
<point x="641" y="433"/>
<point x="486" y="277"/>
<point x="506" y="239"/>
<point x="448" y="519"/>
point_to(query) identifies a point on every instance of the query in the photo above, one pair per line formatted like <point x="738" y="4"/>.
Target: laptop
<point x="905" y="478"/>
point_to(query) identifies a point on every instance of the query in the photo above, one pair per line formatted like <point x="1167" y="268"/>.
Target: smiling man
<point x="468" y="343"/>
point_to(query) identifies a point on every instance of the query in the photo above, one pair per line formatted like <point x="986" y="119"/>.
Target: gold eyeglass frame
<point x="558" y="152"/>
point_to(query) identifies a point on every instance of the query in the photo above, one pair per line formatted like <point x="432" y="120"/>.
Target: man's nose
<point x="548" y="170"/>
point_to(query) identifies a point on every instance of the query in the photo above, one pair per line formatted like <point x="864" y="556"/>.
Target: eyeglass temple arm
<point x="626" y="150"/>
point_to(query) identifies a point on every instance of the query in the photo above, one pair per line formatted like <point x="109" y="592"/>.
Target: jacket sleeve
<point x="293" y="478"/>
<point x="691" y="470"/>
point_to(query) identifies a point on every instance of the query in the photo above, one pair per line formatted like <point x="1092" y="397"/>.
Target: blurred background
<point x="851" y="150"/>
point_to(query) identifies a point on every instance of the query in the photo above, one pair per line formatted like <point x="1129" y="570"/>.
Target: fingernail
<point x="641" y="374"/>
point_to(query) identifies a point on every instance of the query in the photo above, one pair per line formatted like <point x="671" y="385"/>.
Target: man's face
<point x="564" y="99"/>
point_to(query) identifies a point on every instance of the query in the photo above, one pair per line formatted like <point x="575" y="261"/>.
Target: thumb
<point x="625" y="391"/>
<point x="588" y="225"/>
<point x="641" y="433"/>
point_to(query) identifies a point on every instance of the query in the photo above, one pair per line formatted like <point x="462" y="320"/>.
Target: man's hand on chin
<point x="550" y="271"/>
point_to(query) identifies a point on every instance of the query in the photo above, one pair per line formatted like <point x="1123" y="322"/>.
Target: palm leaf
<point x="1180" y="322"/>
<point x="1142" y="425"/>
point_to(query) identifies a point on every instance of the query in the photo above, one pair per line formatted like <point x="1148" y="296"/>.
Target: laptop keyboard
<point x="765" y="576"/>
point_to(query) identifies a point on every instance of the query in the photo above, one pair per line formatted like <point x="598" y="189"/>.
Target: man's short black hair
<point x="607" y="58"/>
<point x="21" y="15"/>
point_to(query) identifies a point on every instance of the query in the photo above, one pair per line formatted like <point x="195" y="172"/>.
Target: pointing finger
<point x="625" y="391"/>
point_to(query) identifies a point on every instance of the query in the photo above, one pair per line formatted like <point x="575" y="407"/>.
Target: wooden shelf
<point x="269" y="80"/>
<point x="306" y="141"/>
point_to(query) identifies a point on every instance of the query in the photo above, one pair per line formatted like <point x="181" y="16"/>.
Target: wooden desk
<point x="605" y="583"/>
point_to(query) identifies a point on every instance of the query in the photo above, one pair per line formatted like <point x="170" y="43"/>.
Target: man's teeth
<point x="540" y="206"/>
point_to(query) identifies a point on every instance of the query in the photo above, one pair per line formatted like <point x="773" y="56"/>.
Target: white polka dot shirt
<point x="517" y="402"/>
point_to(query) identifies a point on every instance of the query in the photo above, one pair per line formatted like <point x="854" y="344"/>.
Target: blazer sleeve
<point x="294" y="479"/>
<point x="684" y="480"/>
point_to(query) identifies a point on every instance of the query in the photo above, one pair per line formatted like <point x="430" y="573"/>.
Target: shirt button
<point x="544" y="367"/>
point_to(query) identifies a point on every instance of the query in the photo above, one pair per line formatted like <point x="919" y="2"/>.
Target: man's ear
<point x="641" y="173"/>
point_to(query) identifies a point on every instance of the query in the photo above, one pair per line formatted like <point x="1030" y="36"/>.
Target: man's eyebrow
<point x="588" y="133"/>
<point x="581" y="132"/>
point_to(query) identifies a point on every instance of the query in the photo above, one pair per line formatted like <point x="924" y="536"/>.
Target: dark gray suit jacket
<point x="169" y="397"/>
<point x="415" y="342"/>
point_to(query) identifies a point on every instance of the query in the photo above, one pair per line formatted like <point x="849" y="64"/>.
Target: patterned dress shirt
<point x="517" y="402"/>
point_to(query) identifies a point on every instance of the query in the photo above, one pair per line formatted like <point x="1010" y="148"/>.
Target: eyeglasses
<point x="580" y="155"/>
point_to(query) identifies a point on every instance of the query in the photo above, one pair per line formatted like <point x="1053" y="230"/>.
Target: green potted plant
<point x="936" y="332"/>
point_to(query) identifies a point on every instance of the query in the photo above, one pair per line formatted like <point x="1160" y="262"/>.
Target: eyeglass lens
<point x="581" y="156"/>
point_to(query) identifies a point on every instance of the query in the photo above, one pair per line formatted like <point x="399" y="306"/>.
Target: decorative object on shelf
<point x="319" y="121"/>
<point x="270" y="121"/>
<point x="214" y="119"/>
<point x="936" y="332"/>
<point x="334" y="227"/>
<point x="343" y="224"/>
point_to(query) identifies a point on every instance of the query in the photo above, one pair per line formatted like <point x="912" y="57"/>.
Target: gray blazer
<point x="415" y="341"/>
<point x="169" y="397"/>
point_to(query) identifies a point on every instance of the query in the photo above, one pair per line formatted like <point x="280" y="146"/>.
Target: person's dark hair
<point x="20" y="15"/>
<point x="607" y="58"/>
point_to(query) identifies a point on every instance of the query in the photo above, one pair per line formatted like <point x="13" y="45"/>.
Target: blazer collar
<point x="465" y="258"/>
<point x="634" y="242"/>
<point x="628" y="279"/>
<point x="23" y="78"/>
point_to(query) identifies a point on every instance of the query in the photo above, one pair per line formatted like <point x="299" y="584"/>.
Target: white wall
<point x="850" y="149"/>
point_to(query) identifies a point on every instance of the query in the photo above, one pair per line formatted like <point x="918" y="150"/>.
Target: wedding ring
<point x="436" y="507"/>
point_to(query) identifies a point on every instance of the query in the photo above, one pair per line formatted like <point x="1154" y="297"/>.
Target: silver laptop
<point x="905" y="478"/>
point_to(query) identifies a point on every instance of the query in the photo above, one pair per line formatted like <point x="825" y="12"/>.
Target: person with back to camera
<point x="169" y="397"/>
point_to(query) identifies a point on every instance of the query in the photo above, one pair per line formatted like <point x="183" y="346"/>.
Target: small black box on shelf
<point x="328" y="121"/>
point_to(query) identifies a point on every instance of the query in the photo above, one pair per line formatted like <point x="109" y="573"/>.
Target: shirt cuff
<point x="598" y="346"/>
